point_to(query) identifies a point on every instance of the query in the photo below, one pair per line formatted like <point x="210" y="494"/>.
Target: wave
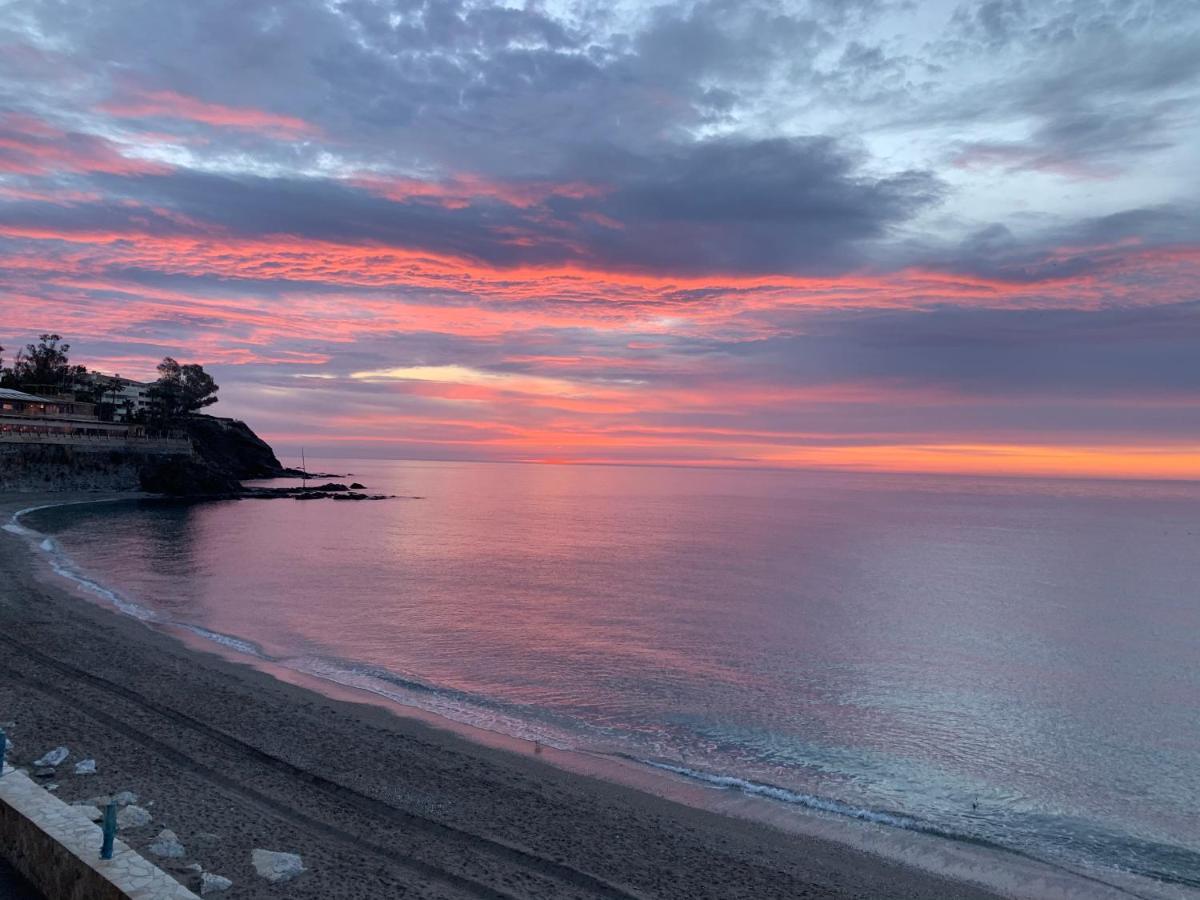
<point x="1146" y="859"/>
<point x="809" y="801"/>
<point x="455" y="705"/>
<point x="1154" y="861"/>
<point x="449" y="703"/>
<point x="241" y="645"/>
<point x="63" y="566"/>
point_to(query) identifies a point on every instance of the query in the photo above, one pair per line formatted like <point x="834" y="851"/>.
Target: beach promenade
<point x="231" y="759"/>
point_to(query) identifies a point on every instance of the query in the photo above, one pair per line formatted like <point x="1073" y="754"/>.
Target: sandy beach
<point x="378" y="805"/>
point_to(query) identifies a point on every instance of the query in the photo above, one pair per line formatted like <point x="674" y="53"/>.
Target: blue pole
<point x="110" y="831"/>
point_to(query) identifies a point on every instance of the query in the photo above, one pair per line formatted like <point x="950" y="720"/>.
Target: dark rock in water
<point x="180" y="477"/>
<point x="358" y="487"/>
<point x="300" y="473"/>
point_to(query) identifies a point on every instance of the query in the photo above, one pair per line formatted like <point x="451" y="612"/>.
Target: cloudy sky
<point x="861" y="233"/>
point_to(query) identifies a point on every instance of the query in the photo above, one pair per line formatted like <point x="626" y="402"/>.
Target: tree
<point x="182" y="389"/>
<point x="45" y="365"/>
<point x="7" y="378"/>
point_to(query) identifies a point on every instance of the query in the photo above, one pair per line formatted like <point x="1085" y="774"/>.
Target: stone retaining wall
<point x="57" y="849"/>
<point x="48" y="467"/>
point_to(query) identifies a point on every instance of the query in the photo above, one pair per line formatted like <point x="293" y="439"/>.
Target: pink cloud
<point x="146" y="104"/>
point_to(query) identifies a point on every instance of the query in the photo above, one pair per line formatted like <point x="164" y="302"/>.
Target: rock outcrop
<point x="230" y="447"/>
<point x="186" y="477"/>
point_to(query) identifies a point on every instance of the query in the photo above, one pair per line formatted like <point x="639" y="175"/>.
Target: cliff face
<point x="226" y="452"/>
<point x="231" y="447"/>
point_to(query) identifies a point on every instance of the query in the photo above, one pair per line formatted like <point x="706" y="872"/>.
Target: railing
<point x="100" y="441"/>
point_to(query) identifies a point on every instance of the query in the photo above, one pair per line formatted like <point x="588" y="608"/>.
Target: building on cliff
<point x="129" y="398"/>
<point x="60" y="419"/>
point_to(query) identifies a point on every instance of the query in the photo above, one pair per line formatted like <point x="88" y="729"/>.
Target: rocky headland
<point x="226" y="453"/>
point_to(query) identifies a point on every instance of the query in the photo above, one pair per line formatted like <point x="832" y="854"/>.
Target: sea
<point x="1012" y="663"/>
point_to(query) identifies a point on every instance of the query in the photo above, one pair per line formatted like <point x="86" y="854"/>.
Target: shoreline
<point x="852" y="859"/>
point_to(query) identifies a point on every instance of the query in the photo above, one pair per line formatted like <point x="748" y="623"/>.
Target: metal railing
<point x="99" y="441"/>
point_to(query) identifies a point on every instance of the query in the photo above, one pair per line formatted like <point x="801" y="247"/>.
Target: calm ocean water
<point x="1013" y="662"/>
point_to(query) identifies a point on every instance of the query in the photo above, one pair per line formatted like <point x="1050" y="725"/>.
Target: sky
<point x="896" y="236"/>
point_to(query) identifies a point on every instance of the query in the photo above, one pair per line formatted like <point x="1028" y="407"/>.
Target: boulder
<point x="133" y="817"/>
<point x="212" y="884"/>
<point x="125" y="798"/>
<point x="167" y="845"/>
<point x="92" y="812"/>
<point x="276" y="866"/>
<point x="54" y="757"/>
<point x="85" y="767"/>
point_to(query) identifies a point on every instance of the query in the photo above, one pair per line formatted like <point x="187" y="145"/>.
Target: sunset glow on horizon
<point x="776" y="234"/>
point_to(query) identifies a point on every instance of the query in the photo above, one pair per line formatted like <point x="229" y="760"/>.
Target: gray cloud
<point x="724" y="205"/>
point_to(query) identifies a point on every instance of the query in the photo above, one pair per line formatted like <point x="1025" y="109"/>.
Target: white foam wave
<point x="809" y="801"/>
<point x="447" y="704"/>
<point x="385" y="684"/>
<point x="225" y="640"/>
<point x="62" y="565"/>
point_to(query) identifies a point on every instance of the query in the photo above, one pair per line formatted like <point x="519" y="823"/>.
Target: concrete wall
<point x="57" y="849"/>
<point x="49" y="467"/>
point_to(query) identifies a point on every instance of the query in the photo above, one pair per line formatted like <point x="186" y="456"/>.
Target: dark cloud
<point x="1089" y="246"/>
<point x="903" y="150"/>
<point x="995" y="352"/>
<point x="724" y="205"/>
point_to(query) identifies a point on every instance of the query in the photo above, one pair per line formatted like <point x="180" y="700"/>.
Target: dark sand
<point x="377" y="804"/>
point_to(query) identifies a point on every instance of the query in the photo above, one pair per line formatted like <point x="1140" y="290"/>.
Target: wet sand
<point x="377" y="804"/>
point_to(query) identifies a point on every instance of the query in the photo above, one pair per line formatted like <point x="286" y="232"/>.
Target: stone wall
<point x="57" y="849"/>
<point x="47" y="467"/>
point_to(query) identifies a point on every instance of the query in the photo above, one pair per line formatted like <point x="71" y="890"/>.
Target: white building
<point x="130" y="397"/>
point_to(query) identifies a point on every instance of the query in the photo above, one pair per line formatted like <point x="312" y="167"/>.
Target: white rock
<point x="167" y="845"/>
<point x="275" y="865"/>
<point x="92" y="812"/>
<point x="52" y="788"/>
<point x="211" y="884"/>
<point x="85" y="767"/>
<point x="125" y="798"/>
<point x="53" y="757"/>
<point x="133" y="817"/>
